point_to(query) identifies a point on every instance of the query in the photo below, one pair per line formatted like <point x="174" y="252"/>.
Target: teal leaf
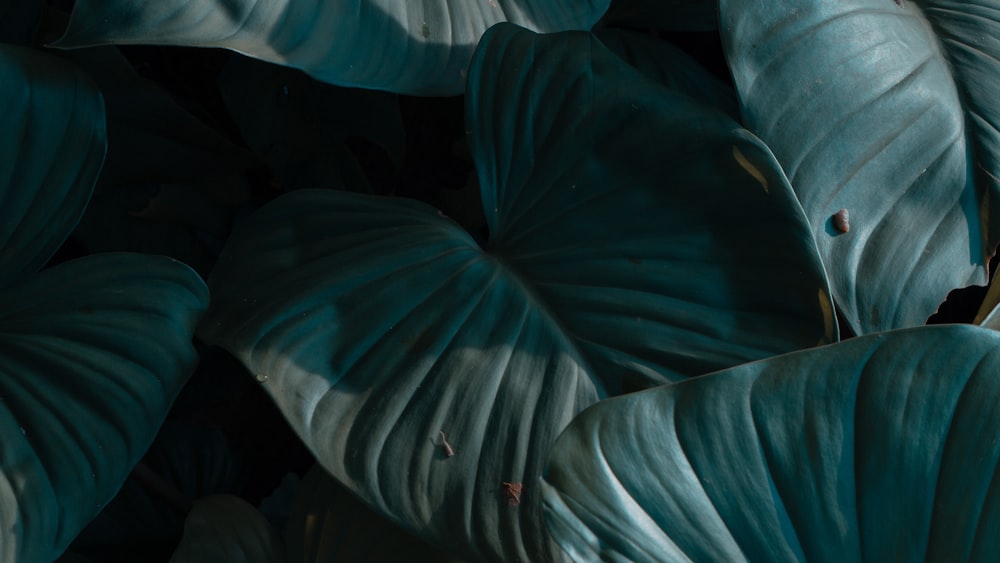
<point x="666" y="64"/>
<point x="426" y="372"/>
<point x="228" y="528"/>
<point x="191" y="461"/>
<point x="93" y="352"/>
<point x="52" y="144"/>
<point x="689" y="234"/>
<point x="880" y="448"/>
<point x="886" y="109"/>
<point x="421" y="47"/>
<point x="328" y="523"/>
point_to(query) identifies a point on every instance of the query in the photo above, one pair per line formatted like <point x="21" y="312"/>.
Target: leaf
<point x="382" y="329"/>
<point x="114" y="221"/>
<point x="52" y="142"/>
<point x="328" y="523"/>
<point x="662" y="62"/>
<point x="227" y="528"/>
<point x="880" y="448"/>
<point x="92" y="353"/>
<point x="192" y="462"/>
<point x="884" y="109"/>
<point x="419" y="47"/>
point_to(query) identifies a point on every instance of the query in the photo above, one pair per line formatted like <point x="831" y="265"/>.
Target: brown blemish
<point x="512" y="492"/>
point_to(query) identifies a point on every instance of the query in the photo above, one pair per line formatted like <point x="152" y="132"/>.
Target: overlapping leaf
<point x="93" y="353"/>
<point x="328" y="523"/>
<point x="880" y="448"/>
<point x="885" y="108"/>
<point x="52" y="144"/>
<point x="228" y="528"/>
<point x="430" y="375"/>
<point x="420" y="47"/>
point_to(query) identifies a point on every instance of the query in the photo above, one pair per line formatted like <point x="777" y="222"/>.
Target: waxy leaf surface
<point x="328" y="523"/>
<point x="887" y="109"/>
<point x="52" y="144"/>
<point x="92" y="354"/>
<point x="228" y="528"/>
<point x="430" y="375"/>
<point x="415" y="47"/>
<point x="884" y="447"/>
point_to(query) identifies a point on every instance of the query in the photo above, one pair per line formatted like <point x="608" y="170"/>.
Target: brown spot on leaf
<point x="842" y="221"/>
<point x="512" y="492"/>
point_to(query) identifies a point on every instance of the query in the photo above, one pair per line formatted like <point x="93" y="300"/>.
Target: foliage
<point x="220" y="268"/>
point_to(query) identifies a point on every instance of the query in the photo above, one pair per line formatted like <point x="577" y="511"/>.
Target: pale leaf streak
<point x="971" y="49"/>
<point x="874" y="148"/>
<point x="782" y="55"/>
<point x="781" y="510"/>
<point x="675" y="422"/>
<point x="968" y="388"/>
<point x="963" y="15"/>
<point x="835" y="128"/>
<point x="391" y="397"/>
<point x="926" y="235"/>
<point x="634" y="506"/>
<point x="335" y="290"/>
<point x="881" y="223"/>
<point x="498" y="374"/>
<point x="370" y="345"/>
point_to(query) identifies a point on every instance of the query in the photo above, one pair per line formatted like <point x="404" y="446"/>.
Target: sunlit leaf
<point x="880" y="448"/>
<point x="885" y="109"/>
<point x="430" y="375"/>
<point x="417" y="47"/>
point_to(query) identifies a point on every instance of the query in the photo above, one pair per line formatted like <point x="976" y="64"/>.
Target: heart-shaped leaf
<point x="228" y="528"/>
<point x="328" y="523"/>
<point x="52" y="144"/>
<point x="92" y="353"/>
<point x="886" y="109"/>
<point x="185" y="463"/>
<point x="670" y="66"/>
<point x="880" y="448"/>
<point x="417" y="47"/>
<point x="430" y="375"/>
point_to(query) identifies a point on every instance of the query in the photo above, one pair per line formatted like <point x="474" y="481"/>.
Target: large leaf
<point x="670" y="66"/>
<point x="185" y="462"/>
<point x="382" y="330"/>
<point x="228" y="528"/>
<point x="418" y="47"/>
<point x="886" y="109"/>
<point x="328" y="523"/>
<point x="92" y="353"/>
<point x="52" y="144"/>
<point x="880" y="448"/>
